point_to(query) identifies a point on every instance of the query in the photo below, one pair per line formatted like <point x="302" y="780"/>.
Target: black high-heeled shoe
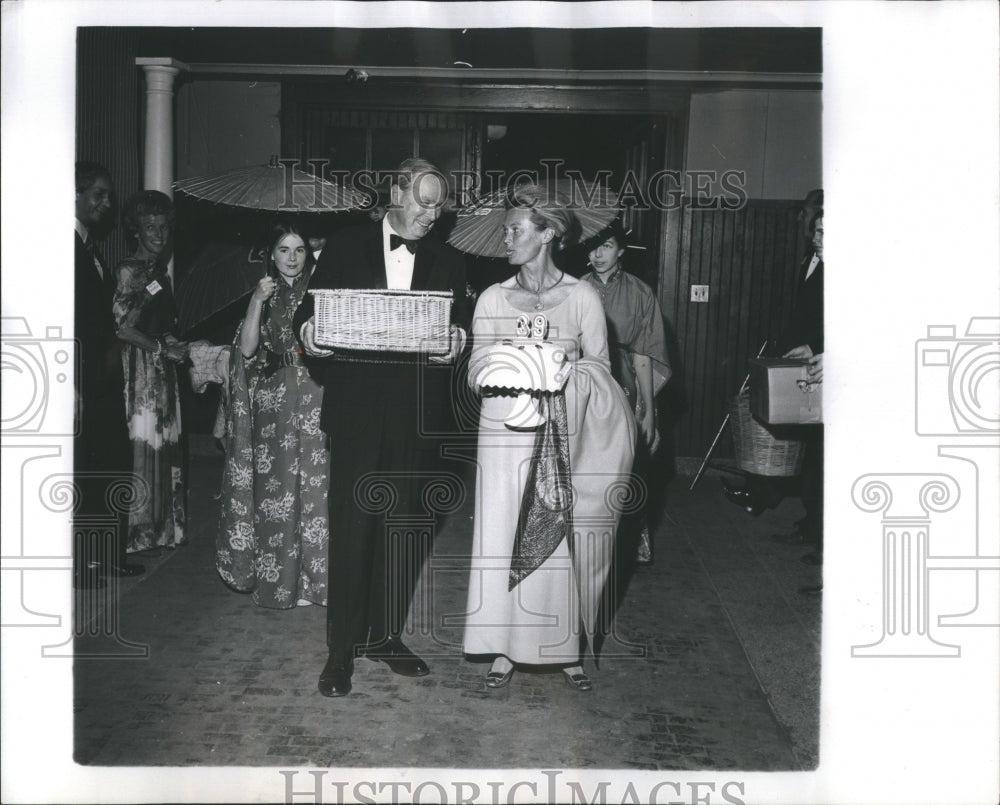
<point x="744" y="498"/>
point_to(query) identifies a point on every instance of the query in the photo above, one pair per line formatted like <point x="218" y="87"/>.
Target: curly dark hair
<point x="146" y="202"/>
<point x="89" y="172"/>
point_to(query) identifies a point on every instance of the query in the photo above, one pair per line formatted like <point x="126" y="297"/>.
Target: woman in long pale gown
<point x="539" y="562"/>
<point x="275" y="535"/>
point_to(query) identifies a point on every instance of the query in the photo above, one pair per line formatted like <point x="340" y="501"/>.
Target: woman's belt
<point x="279" y="360"/>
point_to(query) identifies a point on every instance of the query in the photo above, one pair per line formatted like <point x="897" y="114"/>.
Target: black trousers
<point x="770" y="491"/>
<point x="812" y="485"/>
<point x="102" y="460"/>
<point x="379" y="531"/>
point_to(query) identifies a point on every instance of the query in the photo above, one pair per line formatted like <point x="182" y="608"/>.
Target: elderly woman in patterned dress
<point x="145" y="319"/>
<point x="274" y="536"/>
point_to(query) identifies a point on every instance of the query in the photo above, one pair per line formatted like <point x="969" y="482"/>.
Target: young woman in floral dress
<point x="274" y="537"/>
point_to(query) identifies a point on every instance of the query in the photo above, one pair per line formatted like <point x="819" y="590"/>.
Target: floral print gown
<point x="274" y="537"/>
<point x="143" y="300"/>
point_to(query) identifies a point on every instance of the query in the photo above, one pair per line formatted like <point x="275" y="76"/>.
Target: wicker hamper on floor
<point x="758" y="448"/>
<point x="380" y="320"/>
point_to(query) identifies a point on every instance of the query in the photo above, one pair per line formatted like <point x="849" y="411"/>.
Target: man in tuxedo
<point x="372" y="413"/>
<point x="806" y="333"/>
<point x="803" y="339"/>
<point x="101" y="451"/>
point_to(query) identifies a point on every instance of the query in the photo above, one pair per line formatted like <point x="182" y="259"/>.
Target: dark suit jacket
<point x="102" y="441"/>
<point x="352" y="258"/>
<point x="807" y="318"/>
<point x="94" y="325"/>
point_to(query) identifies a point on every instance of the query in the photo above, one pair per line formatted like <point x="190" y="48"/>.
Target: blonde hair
<point x="548" y="210"/>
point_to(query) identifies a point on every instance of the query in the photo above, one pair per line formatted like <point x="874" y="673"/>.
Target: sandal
<point x="578" y="681"/>
<point x="498" y="679"/>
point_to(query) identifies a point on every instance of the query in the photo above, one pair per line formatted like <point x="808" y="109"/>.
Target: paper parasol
<point x="219" y="275"/>
<point x="479" y="228"/>
<point x="278" y="187"/>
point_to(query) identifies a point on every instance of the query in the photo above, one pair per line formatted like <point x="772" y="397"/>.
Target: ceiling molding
<point x="491" y="75"/>
<point x="162" y="61"/>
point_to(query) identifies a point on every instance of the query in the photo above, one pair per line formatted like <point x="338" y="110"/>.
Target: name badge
<point x="154" y="288"/>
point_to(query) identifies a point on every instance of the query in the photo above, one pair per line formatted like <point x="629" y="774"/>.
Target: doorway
<point x="615" y="147"/>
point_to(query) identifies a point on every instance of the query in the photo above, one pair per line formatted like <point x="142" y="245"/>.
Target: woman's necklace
<point x="538" y="293"/>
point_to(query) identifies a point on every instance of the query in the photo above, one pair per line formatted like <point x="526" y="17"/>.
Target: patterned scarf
<point x="546" y="514"/>
<point x="276" y="333"/>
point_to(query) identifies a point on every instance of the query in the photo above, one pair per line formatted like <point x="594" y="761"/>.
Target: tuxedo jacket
<point x="102" y="441"/>
<point x="353" y="258"/>
<point x="806" y="326"/>
<point x="94" y="321"/>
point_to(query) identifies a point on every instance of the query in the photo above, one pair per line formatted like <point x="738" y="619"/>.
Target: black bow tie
<point x="395" y="241"/>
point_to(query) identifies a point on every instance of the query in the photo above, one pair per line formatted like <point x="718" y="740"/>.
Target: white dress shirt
<point x="812" y="266"/>
<point x="398" y="261"/>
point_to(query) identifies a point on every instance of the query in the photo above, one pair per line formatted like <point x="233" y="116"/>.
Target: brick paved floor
<point x="727" y="677"/>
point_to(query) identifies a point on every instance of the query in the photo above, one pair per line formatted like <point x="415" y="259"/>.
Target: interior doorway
<point x="622" y="150"/>
<point x="487" y="130"/>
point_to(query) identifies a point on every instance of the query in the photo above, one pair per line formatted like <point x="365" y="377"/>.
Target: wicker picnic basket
<point x="759" y="448"/>
<point x="381" y="320"/>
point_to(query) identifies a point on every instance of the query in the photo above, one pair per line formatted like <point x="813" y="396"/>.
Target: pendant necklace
<point x="540" y="291"/>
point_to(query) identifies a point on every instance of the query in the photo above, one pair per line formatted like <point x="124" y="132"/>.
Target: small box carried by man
<point x="781" y="392"/>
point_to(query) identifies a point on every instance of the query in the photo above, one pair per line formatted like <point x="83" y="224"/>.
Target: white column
<point x="159" y="156"/>
<point x="159" y="172"/>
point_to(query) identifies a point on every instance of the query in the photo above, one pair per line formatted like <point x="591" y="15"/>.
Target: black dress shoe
<point x="335" y="678"/>
<point x="122" y="571"/>
<point x="744" y="498"/>
<point x="399" y="658"/>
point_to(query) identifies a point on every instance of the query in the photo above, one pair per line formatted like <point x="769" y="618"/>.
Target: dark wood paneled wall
<point x="109" y="106"/>
<point x="750" y="259"/>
